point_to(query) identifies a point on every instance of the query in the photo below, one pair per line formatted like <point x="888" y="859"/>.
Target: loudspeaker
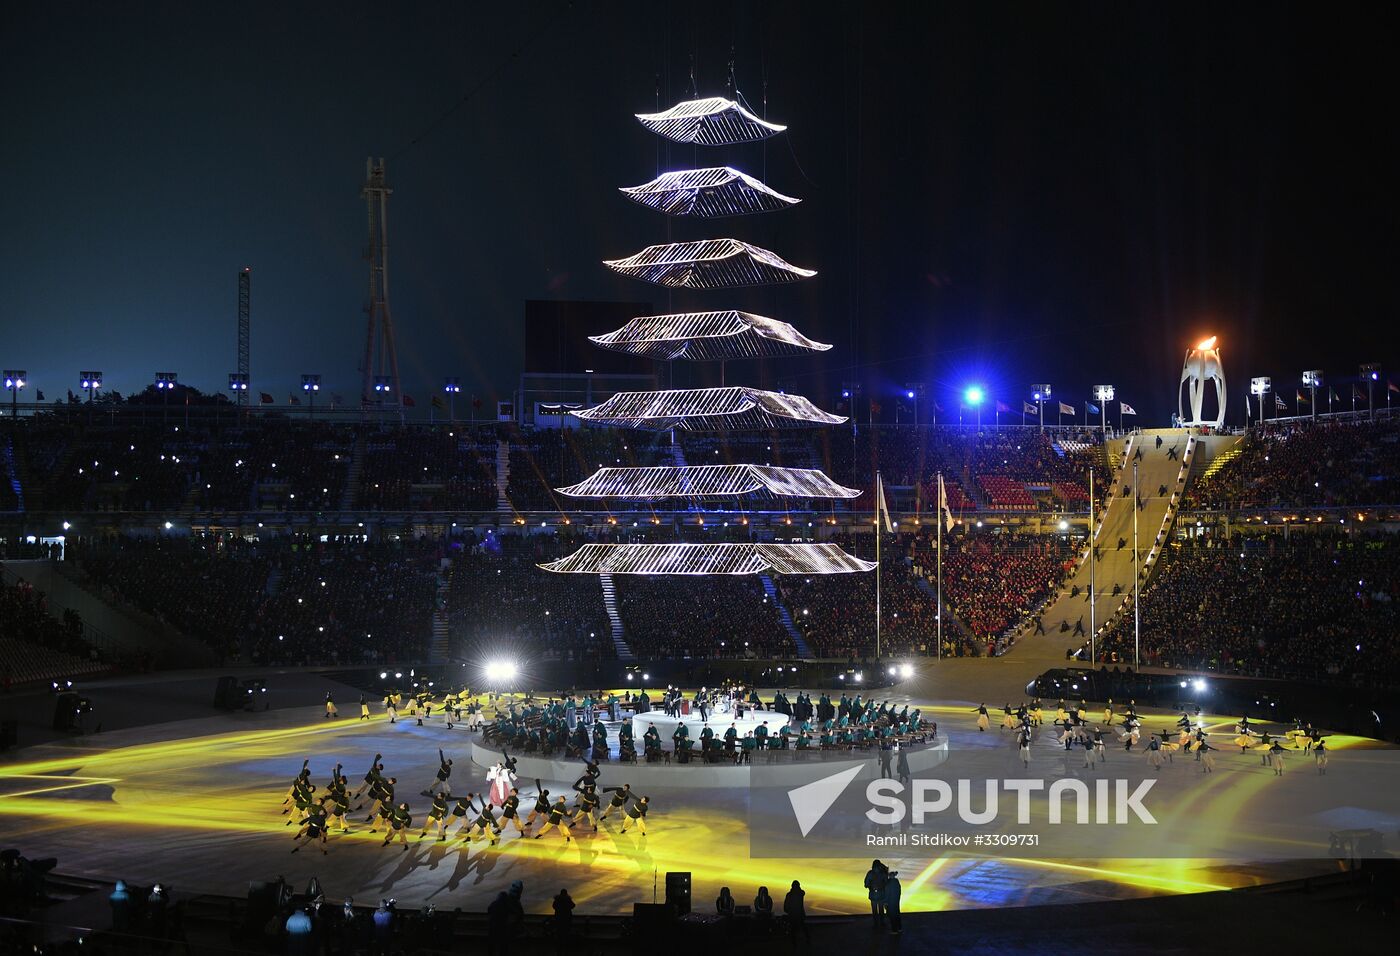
<point x="678" y="891"/>
<point x="652" y="917"/>
<point x="226" y="696"/>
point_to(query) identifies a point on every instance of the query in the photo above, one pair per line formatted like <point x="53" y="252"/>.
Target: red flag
<point x="292" y="399"/>
<point x="264" y="398"/>
<point x="1357" y="392"/>
<point x="1003" y="407"/>
<point x="1391" y="386"/>
<point x="408" y="401"/>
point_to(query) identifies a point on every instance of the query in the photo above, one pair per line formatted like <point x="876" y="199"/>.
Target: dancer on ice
<point x="444" y="771"/>
<point x="982" y="721"/>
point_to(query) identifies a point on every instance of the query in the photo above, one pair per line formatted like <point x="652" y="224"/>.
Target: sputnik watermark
<point x="1112" y="801"/>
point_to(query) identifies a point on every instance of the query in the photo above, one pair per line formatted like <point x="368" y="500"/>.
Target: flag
<point x="1125" y="409"/>
<point x="1333" y="397"/>
<point x="881" y="508"/>
<point x="1303" y="399"/>
<point x="1357" y="393"/>
<point x="1028" y="408"/>
<point x="438" y="402"/>
<point x="1093" y="409"/>
<point x="1066" y="409"/>
<point x="408" y="401"/>
<point x="292" y="399"/>
<point x="1002" y="407"/>
<point x="264" y="398"/>
<point x="1392" y="387"/>
<point x="39" y="395"/>
<point x="938" y="408"/>
<point x="1279" y="402"/>
<point x="874" y="408"/>
<point x="943" y="508"/>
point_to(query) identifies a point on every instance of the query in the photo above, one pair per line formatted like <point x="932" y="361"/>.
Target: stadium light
<point x="906" y="671"/>
<point x="15" y="379"/>
<point x="311" y="384"/>
<point x="1261" y="386"/>
<point x="383" y="384"/>
<point x="973" y="395"/>
<point x="1312" y="379"/>
<point x="237" y="382"/>
<point x="452" y="385"/>
<point x="1371" y="372"/>
<point x="1041" y="394"/>
<point x="1104" y="394"/>
<point x="166" y="381"/>
<point x="502" y="671"/>
<point x="90" y="382"/>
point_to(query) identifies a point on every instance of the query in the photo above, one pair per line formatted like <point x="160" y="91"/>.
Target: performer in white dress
<point x="499" y="780"/>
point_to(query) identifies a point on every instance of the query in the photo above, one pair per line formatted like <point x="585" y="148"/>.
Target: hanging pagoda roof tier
<point x="713" y="121"/>
<point x="708" y="410"/>
<point x="707" y="337"/>
<point x="659" y="559"/>
<point x="708" y="194"/>
<point x="708" y="481"/>
<point x="708" y="264"/>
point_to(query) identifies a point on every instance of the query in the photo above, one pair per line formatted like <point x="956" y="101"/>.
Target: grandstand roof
<point x="708" y="409"/>
<point x="713" y="121"/>
<point x="708" y="193"/>
<point x="658" y="559"/>
<point x="708" y="264"/>
<point x="708" y="481"/>
<point x="708" y="336"/>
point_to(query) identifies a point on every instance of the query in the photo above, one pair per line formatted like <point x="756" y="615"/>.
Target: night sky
<point x="1055" y="192"/>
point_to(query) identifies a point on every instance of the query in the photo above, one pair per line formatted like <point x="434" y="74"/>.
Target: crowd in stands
<point x="429" y="469"/>
<point x="725" y="617"/>
<point x="276" y="463"/>
<point x="37" y="646"/>
<point x="1301" y="464"/>
<point x="993" y="582"/>
<point x="1312" y="606"/>
<point x="836" y="613"/>
<point x="500" y="603"/>
<point x="293" y="600"/>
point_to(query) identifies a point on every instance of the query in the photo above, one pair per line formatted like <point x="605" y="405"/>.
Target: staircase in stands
<point x="624" y="653"/>
<point x="503" y="478"/>
<point x="12" y="473"/>
<point x="769" y="588"/>
<point x="352" y="475"/>
<point x="440" y="650"/>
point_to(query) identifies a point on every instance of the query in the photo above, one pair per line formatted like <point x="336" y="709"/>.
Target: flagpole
<point x="879" y="501"/>
<point x="942" y="498"/>
<point x="1092" y="596"/>
<point x="1137" y="575"/>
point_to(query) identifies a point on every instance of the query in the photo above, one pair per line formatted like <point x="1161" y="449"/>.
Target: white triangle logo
<point x="811" y="801"/>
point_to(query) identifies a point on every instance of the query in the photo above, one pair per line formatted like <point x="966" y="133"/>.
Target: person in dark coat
<point x="795" y="909"/>
<point x="893" y="891"/>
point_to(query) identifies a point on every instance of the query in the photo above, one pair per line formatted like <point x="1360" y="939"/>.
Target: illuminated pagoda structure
<point x="707" y="193"/>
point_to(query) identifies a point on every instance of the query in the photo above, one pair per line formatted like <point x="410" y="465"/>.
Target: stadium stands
<point x="35" y="646"/>
<point x="1303" y="464"/>
<point x="1319" y="605"/>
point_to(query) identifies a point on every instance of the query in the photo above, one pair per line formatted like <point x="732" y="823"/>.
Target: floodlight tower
<point x="381" y="358"/>
<point x="245" y="282"/>
<point x="1261" y="385"/>
<point x="1042" y="395"/>
<point x="1104" y="394"/>
<point x="1313" y="380"/>
<point x="1371" y="372"/>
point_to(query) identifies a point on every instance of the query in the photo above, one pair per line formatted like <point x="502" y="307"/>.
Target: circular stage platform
<point x="719" y="723"/>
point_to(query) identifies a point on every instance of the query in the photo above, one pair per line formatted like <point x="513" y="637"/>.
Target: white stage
<point x="719" y="723"/>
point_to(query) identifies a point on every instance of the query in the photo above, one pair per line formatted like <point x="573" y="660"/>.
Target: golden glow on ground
<point x="209" y="807"/>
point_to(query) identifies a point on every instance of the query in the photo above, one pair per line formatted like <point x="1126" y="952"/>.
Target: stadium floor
<point x="195" y="803"/>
